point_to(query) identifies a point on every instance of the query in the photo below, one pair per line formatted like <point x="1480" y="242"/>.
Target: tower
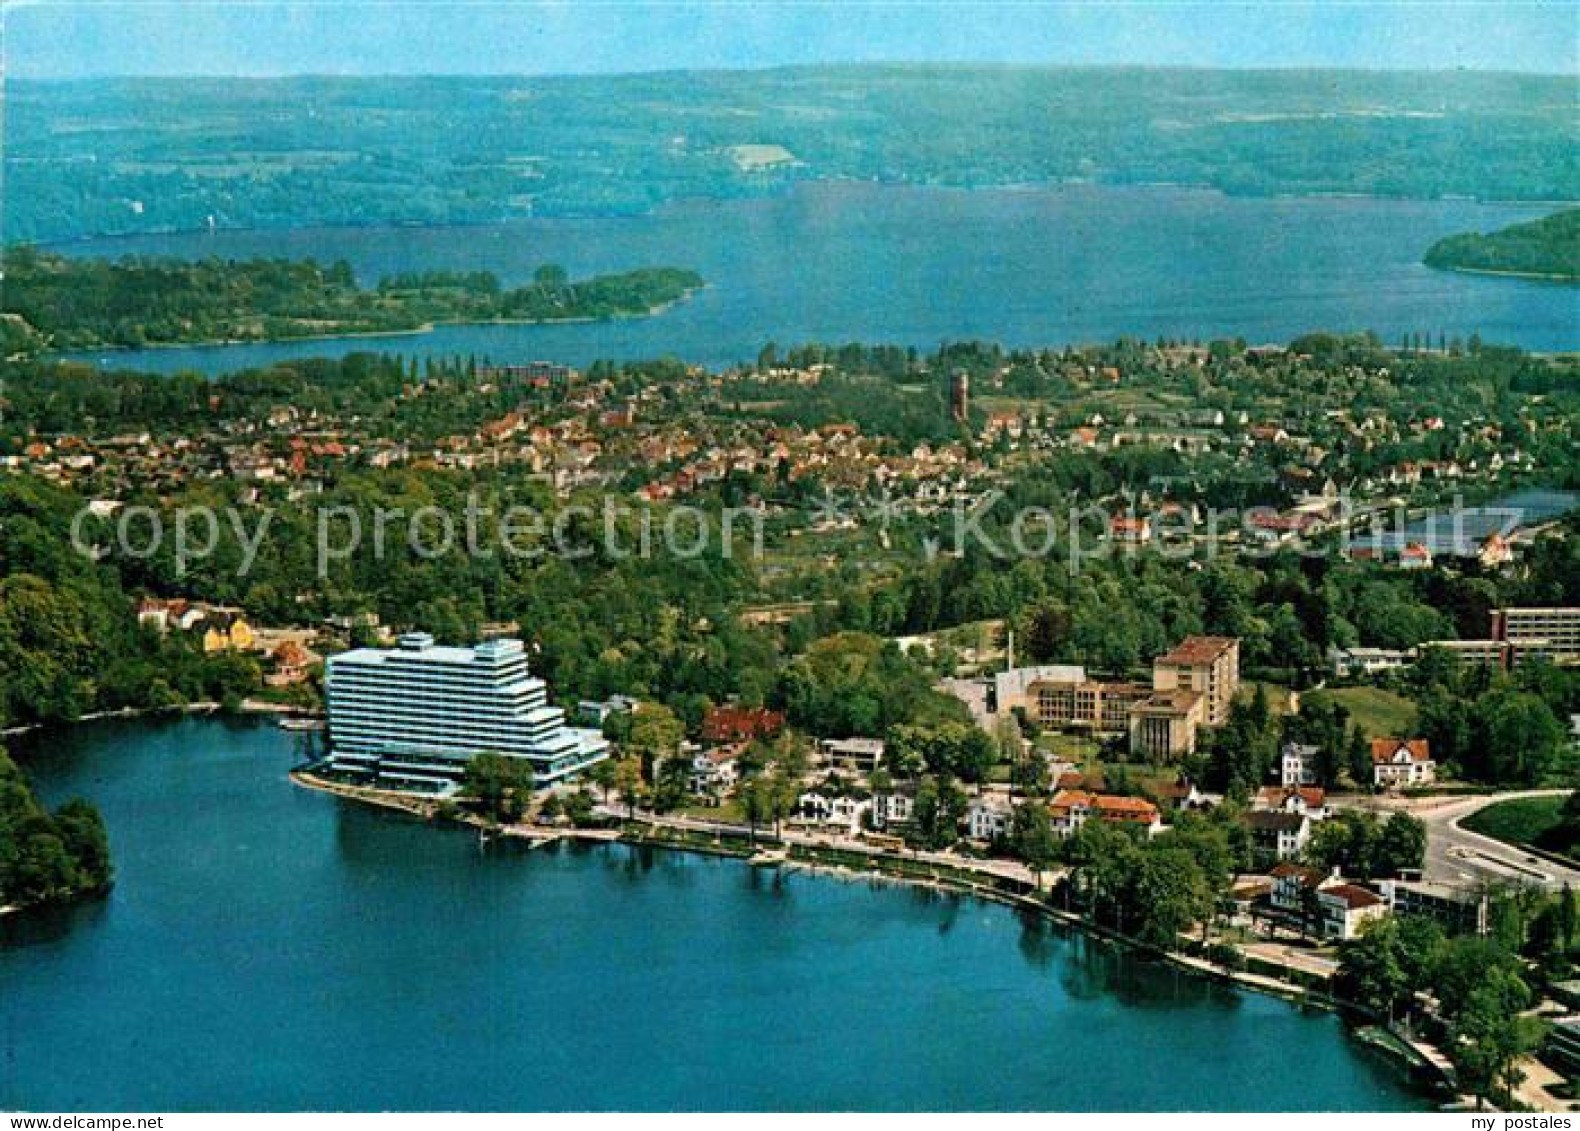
<point x="960" y="395"/>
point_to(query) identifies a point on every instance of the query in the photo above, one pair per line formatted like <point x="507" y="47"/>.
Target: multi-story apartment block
<point x="1554" y="633"/>
<point x="1208" y="665"/>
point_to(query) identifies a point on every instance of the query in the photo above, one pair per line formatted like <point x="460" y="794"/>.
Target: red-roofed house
<point x="741" y="724"/>
<point x="1072" y="808"/>
<point x="1309" y="801"/>
<point x="1402" y="762"/>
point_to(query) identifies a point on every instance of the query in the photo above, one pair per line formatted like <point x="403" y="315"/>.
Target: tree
<point x="579" y="808"/>
<point x="656" y="733"/>
<point x="940" y="805"/>
<point x="1167" y="893"/>
<point x="1400" y="845"/>
<point x="1345" y="841"/>
<point x="1488" y="1036"/>
<point x="1374" y="969"/>
<point x="1518" y="739"/>
<point x="628" y="783"/>
<point x="673" y="783"/>
<point x="1031" y="836"/>
<point x="501" y="785"/>
<point x="1358" y="757"/>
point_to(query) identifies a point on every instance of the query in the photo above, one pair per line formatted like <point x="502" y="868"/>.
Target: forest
<point x="72" y="303"/>
<point x="153" y="155"/>
<point x="47" y="857"/>
<point x="1548" y="248"/>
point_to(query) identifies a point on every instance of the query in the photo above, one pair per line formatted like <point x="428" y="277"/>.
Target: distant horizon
<point x="768" y="68"/>
<point x="274" y="39"/>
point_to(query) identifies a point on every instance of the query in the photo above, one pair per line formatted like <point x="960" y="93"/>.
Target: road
<point x="1456" y="855"/>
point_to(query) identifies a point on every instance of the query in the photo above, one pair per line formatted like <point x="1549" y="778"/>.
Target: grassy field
<point x="1277" y="695"/>
<point x="1525" y="821"/>
<point x="1379" y="713"/>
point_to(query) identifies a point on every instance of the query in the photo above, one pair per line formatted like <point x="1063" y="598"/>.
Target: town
<point x="1290" y="696"/>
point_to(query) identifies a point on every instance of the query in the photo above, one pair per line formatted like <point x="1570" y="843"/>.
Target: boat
<point x="299" y="724"/>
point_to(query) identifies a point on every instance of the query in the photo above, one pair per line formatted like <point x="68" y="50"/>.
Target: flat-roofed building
<point x="1013" y="688"/>
<point x="1086" y="705"/>
<point x="1553" y="632"/>
<point x="1457" y="908"/>
<point x="1208" y="665"/>
<point x="860" y="754"/>
<point x="413" y="716"/>
<point x="1471" y="653"/>
<point x="1562" y="1049"/>
<point x="1165" y="724"/>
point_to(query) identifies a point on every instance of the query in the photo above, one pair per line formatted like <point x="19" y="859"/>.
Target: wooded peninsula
<point x="64" y="303"/>
<point x="1548" y="248"/>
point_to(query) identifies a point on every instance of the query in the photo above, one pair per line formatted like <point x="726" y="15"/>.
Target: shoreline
<point x="789" y="187"/>
<point x="832" y="862"/>
<point x="249" y="707"/>
<point x="1496" y="273"/>
<point x="418" y="331"/>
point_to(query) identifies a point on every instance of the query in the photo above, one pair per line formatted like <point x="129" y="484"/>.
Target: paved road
<point x="1458" y="856"/>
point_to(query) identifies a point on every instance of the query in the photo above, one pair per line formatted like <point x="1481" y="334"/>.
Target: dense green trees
<point x="1478" y="987"/>
<point x="453" y="150"/>
<point x="1549" y="247"/>
<point x="134" y="302"/>
<point x="500" y="785"/>
<point x="1152" y="889"/>
<point x="1366" y="847"/>
<point x="856" y="684"/>
<point x="46" y="857"/>
<point x="69" y="641"/>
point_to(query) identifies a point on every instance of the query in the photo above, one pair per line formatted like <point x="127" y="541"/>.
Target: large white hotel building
<point x="412" y="716"/>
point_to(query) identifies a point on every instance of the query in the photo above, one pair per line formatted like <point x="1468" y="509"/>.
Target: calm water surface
<point x="267" y="947"/>
<point x="916" y="266"/>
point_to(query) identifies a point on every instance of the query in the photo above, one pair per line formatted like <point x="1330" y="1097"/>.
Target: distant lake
<point x="266" y="947"/>
<point x="839" y="262"/>
<point x="1462" y="530"/>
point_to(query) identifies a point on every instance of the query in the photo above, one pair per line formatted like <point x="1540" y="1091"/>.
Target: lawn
<point x="1526" y="821"/>
<point x="1276" y="693"/>
<point x="1379" y="713"/>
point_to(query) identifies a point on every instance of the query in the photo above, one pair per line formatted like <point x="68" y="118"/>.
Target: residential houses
<point x="1402" y="762"/>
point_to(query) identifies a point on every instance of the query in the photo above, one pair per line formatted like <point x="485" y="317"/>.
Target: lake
<point x="267" y="947"/>
<point x="839" y="262"/>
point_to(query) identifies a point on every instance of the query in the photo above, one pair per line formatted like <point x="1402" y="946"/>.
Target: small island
<point x="1548" y="248"/>
<point x="52" y="301"/>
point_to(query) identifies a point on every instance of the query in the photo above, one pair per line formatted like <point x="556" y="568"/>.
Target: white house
<point x="1346" y="908"/>
<point x="842" y="810"/>
<point x="716" y="771"/>
<point x="1308" y="801"/>
<point x="1400" y="762"/>
<point x="1279" y="834"/>
<point x="990" y="817"/>
<point x="893" y="807"/>
<point x="859" y="754"/>
<point x="1298" y="765"/>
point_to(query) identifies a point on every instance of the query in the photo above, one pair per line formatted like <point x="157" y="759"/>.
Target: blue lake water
<point x="1463" y="530"/>
<point x="266" y="947"/>
<point x="916" y="266"/>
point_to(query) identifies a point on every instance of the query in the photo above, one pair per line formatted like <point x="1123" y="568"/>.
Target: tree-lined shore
<point x="68" y="303"/>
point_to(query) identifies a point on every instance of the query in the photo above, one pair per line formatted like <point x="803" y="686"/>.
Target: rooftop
<point x="1195" y="650"/>
<point x="1386" y="750"/>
